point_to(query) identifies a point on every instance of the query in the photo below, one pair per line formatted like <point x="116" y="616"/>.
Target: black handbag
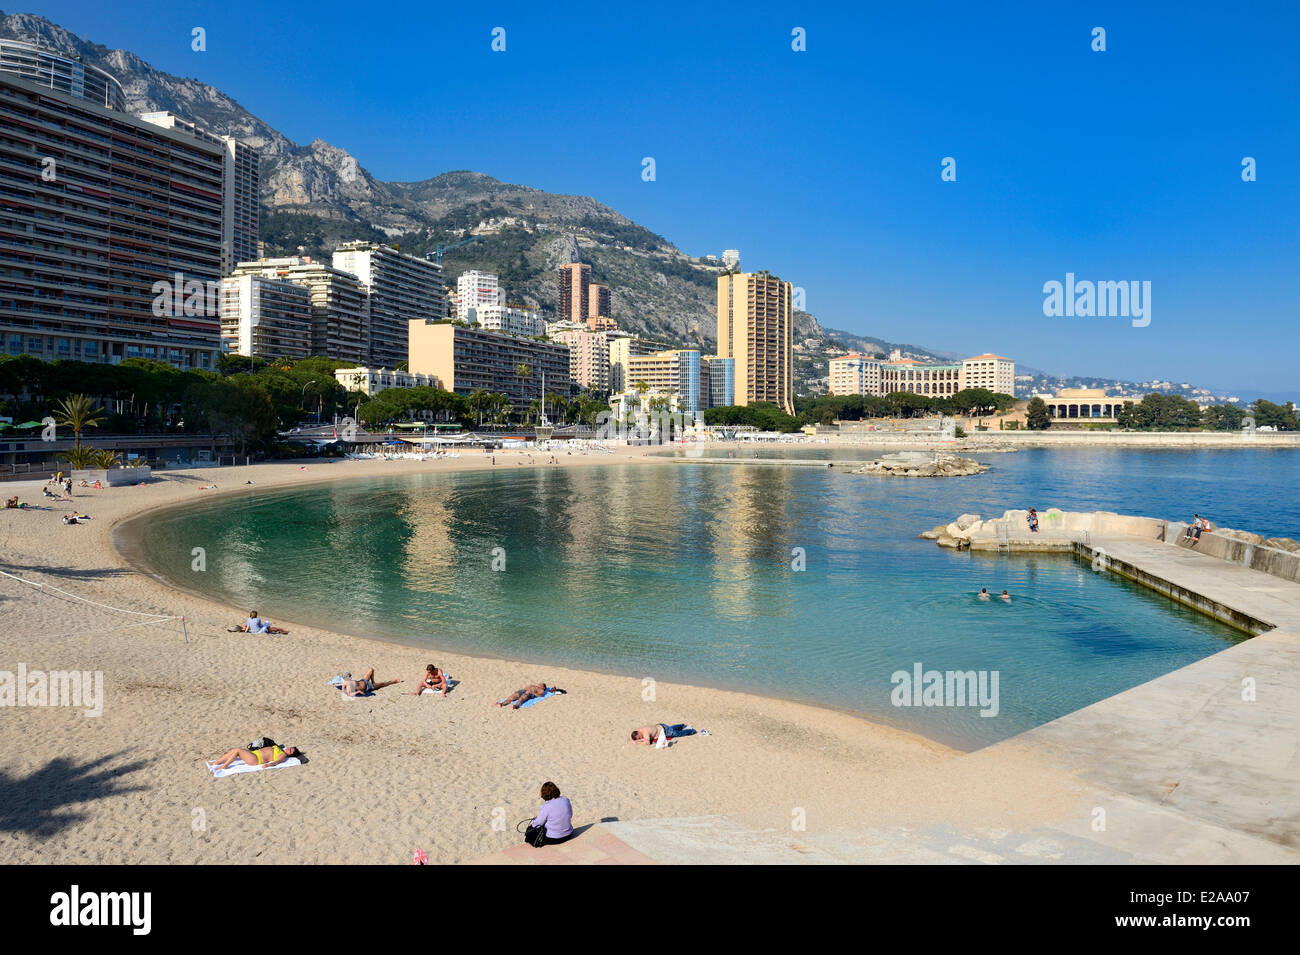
<point x="535" y="836"/>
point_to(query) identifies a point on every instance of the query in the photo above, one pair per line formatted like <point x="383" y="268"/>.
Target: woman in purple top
<point x="556" y="815"/>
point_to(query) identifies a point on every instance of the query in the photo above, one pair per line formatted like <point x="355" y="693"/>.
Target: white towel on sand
<point x="239" y="766"/>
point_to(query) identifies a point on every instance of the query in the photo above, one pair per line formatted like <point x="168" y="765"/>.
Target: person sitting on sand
<point x="12" y="502"/>
<point x="1033" y="520"/>
<point x="255" y="624"/>
<point x="266" y="756"/>
<point x="70" y="519"/>
<point x="434" y="680"/>
<point x="661" y="735"/>
<point x="555" y="816"/>
<point x="366" y="684"/>
<point x="533" y="691"/>
<point x="1005" y="596"/>
<point x="984" y="594"/>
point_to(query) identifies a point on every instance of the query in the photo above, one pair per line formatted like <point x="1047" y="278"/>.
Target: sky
<point x="825" y="165"/>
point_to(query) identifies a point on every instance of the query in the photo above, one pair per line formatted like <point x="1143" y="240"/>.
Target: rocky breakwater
<point x="922" y="464"/>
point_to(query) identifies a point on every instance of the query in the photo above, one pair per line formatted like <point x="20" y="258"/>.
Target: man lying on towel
<point x="533" y="691"/>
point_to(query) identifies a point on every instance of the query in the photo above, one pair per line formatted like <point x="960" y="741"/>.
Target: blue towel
<point x="528" y="703"/>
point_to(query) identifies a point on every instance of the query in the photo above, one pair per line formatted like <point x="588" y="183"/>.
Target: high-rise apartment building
<point x="731" y="258"/>
<point x="599" y="308"/>
<point x="588" y="354"/>
<point x="574" y="282"/>
<point x="756" y="328"/>
<point x="265" y="317"/>
<point x="465" y="360"/>
<point x="402" y="289"/>
<point x="241" y="186"/>
<point x="110" y="226"/>
<point x="340" y="306"/>
<point x="473" y="290"/>
<point x="993" y="372"/>
<point x="854" y="374"/>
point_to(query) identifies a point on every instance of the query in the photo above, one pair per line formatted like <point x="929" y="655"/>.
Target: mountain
<point x="317" y="195"/>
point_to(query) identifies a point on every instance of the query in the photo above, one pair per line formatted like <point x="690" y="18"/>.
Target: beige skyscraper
<point x="756" y="328"/>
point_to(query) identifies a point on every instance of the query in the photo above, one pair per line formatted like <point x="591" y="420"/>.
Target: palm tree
<point x="524" y="371"/>
<point x="478" y="400"/>
<point x="78" y="412"/>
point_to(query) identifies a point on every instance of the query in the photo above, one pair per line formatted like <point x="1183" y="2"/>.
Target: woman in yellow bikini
<point x="266" y="756"/>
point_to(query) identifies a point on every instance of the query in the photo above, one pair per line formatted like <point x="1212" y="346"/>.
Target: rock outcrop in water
<point x="922" y="464"/>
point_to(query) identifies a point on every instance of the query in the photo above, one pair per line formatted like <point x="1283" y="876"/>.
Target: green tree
<point x="1037" y="417"/>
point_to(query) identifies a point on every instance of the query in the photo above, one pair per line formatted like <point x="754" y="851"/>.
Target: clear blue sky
<point x="824" y="166"/>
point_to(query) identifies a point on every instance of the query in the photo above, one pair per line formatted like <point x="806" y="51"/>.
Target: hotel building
<point x="756" y="328"/>
<point x="100" y="212"/>
<point x="467" y="359"/>
<point x="265" y="317"/>
<point x="241" y="185"/>
<point x="623" y="347"/>
<point x="854" y="374"/>
<point x="340" y="306"/>
<point x="675" y="372"/>
<point x="372" y="381"/>
<point x="918" y="378"/>
<point x="402" y="289"/>
<point x="993" y="372"/>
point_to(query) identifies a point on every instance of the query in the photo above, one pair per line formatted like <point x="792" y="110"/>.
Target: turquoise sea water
<point x="684" y="573"/>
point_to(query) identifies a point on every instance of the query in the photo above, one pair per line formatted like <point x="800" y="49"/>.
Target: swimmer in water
<point x="984" y="594"/>
<point x="1006" y="596"/>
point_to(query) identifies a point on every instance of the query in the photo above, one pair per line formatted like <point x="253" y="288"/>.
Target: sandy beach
<point x="386" y="775"/>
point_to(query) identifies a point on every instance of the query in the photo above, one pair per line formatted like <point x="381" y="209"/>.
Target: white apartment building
<point x="265" y="317"/>
<point x="402" y="289"/>
<point x="374" y="380"/>
<point x="340" y="305"/>
<point x="511" y="319"/>
<point x="854" y="374"/>
<point x="475" y="289"/>
<point x="993" y="372"/>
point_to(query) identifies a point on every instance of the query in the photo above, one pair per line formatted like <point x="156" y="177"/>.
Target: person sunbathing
<point x="434" y="680"/>
<point x="366" y="684"/>
<point x="661" y="735"/>
<point x="266" y="756"/>
<point x="533" y="691"/>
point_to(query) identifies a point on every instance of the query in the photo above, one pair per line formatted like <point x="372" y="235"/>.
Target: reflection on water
<point x="686" y="573"/>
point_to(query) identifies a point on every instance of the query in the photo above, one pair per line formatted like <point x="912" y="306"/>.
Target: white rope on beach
<point x="41" y="588"/>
